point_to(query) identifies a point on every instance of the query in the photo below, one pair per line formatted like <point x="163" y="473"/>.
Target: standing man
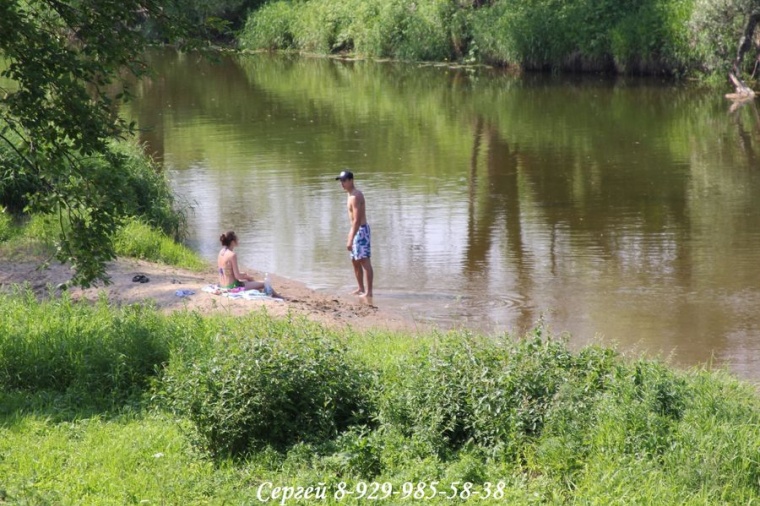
<point x="358" y="243"/>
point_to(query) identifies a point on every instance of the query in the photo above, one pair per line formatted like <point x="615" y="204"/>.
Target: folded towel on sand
<point x="238" y="293"/>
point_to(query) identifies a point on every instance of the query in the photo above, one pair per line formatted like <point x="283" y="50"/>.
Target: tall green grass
<point x="381" y="28"/>
<point x="36" y="236"/>
<point x="105" y="405"/>
<point x="136" y="239"/>
<point x="90" y="350"/>
<point x="673" y="37"/>
<point x="6" y="225"/>
<point x="30" y="236"/>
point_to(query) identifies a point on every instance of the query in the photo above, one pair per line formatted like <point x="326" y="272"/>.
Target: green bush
<point x="530" y="35"/>
<point x="414" y="31"/>
<point x="652" y="402"/>
<point x="15" y="184"/>
<point x="636" y="415"/>
<point x="143" y="189"/>
<point x="547" y="424"/>
<point x="37" y="234"/>
<point x="268" y="383"/>
<point x="492" y="393"/>
<point x="134" y="238"/>
<point x="367" y="30"/>
<point x="646" y="36"/>
<point x="492" y="36"/>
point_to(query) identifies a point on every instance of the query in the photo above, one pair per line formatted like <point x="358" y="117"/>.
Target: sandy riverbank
<point x="165" y="281"/>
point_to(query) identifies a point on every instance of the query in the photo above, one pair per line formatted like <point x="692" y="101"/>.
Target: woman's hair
<point x="226" y="239"/>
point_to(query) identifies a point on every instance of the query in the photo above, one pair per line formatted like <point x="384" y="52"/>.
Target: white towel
<point x="240" y="294"/>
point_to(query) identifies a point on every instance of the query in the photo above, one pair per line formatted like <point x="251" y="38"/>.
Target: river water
<point x="620" y="210"/>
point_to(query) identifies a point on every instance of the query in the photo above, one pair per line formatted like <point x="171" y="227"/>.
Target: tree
<point x="68" y="61"/>
<point x="745" y="43"/>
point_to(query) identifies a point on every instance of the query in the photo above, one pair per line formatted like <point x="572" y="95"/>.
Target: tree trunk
<point x="745" y="43"/>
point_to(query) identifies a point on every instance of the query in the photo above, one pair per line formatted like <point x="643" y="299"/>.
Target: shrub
<point x="359" y="452"/>
<point x="534" y="38"/>
<point x="144" y="191"/>
<point x="636" y="416"/>
<point x="492" y="393"/>
<point x="489" y="34"/>
<point x="585" y="35"/>
<point x="15" y="182"/>
<point x="34" y="235"/>
<point x="134" y="238"/>
<point x="650" y="36"/>
<point x="269" y="383"/>
<point x="416" y="31"/>
<point x="15" y="185"/>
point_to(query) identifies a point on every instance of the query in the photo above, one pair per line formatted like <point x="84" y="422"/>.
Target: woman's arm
<point x="236" y="270"/>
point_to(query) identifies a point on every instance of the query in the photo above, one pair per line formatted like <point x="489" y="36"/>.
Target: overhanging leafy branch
<point x="68" y="61"/>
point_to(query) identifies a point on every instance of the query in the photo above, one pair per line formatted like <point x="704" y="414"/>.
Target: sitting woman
<point x="229" y="272"/>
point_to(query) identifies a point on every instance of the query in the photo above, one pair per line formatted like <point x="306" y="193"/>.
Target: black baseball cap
<point x="344" y="175"/>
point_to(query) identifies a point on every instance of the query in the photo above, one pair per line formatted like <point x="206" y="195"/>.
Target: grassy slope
<point x="649" y="435"/>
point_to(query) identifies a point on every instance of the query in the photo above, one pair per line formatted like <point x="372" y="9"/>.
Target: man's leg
<point x="359" y="273"/>
<point x="366" y="265"/>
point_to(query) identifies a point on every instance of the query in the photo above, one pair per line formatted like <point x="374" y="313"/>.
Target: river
<point x="618" y="210"/>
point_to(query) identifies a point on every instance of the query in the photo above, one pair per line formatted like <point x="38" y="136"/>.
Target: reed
<point x="671" y="37"/>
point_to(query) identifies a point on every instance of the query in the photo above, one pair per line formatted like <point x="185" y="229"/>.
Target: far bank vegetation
<point x="657" y="37"/>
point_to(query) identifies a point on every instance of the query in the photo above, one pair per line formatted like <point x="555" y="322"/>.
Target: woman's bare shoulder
<point x="225" y="257"/>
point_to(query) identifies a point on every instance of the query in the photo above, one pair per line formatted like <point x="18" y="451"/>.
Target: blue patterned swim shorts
<point x="361" y="247"/>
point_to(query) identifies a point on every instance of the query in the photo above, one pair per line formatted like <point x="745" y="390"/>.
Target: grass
<point x="6" y="225"/>
<point x="35" y="237"/>
<point x="30" y="236"/>
<point x="670" y="37"/>
<point x="98" y="407"/>
<point x="119" y="458"/>
<point x="138" y="240"/>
